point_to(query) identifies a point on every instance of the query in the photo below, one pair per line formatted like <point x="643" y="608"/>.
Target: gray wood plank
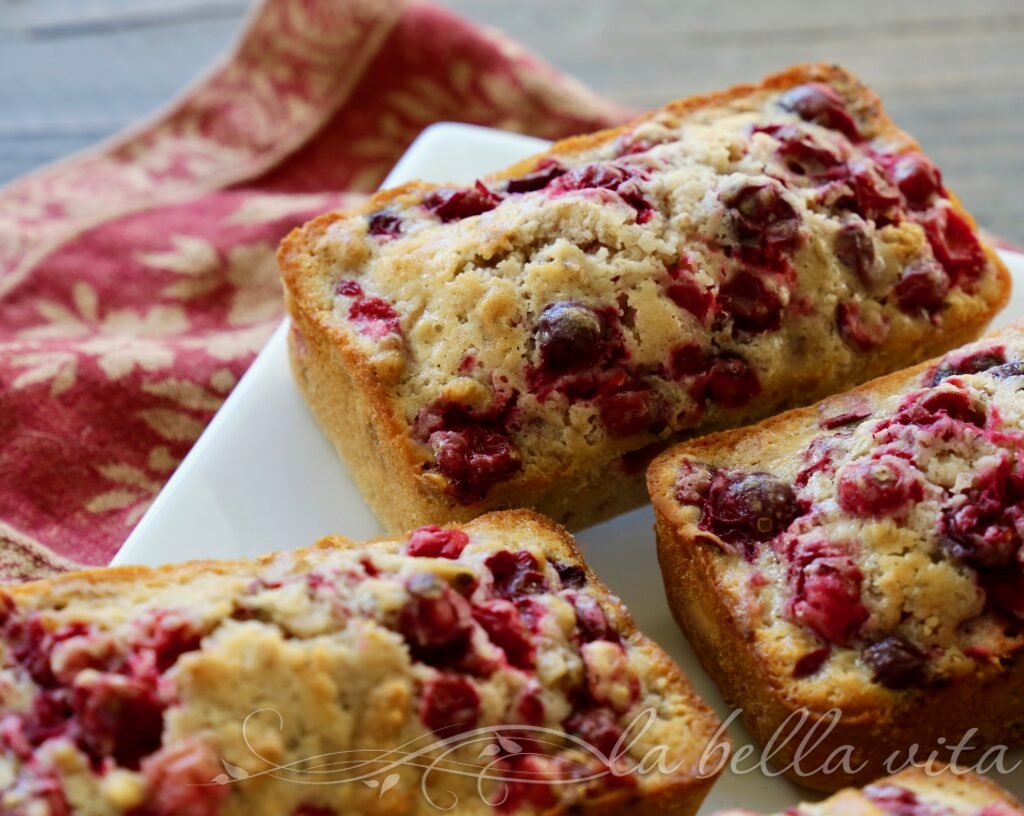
<point x="952" y="73"/>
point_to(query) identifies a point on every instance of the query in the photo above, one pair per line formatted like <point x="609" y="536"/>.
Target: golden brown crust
<point x="356" y="408"/>
<point x="937" y="789"/>
<point x="877" y="722"/>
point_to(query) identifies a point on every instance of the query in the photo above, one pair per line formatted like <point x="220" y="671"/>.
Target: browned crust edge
<point x="876" y="724"/>
<point x="361" y="420"/>
<point x="678" y="794"/>
<point x="957" y="779"/>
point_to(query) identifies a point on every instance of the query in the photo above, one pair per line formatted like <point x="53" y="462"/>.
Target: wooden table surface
<point x="951" y="72"/>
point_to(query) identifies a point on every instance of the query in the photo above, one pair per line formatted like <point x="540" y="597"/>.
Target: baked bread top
<point x="874" y="542"/>
<point x="700" y="267"/>
<point x="916" y="791"/>
<point x="123" y="691"/>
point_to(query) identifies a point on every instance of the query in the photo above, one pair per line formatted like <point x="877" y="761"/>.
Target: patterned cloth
<point x="138" y="281"/>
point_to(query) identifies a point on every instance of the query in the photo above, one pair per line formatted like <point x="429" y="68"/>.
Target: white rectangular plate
<point x="262" y="477"/>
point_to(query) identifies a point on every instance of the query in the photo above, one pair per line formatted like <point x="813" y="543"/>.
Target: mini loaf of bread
<point x="484" y="665"/>
<point x="534" y="339"/>
<point x="865" y="555"/>
<point x="913" y="792"/>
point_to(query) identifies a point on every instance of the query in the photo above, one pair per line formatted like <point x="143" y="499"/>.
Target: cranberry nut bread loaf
<point x="913" y="792"/>
<point x="865" y="554"/>
<point x="534" y="340"/>
<point x="122" y="691"/>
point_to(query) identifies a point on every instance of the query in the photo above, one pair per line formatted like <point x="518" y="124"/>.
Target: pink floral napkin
<point x="138" y="281"/>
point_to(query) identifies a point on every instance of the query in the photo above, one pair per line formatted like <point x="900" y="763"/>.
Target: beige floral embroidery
<point x="121" y="340"/>
<point x="260" y="209"/>
<point x="231" y="345"/>
<point x="135" y="488"/>
<point x="189" y="395"/>
<point x="250" y="269"/>
<point x="175" y="426"/>
<point x="194" y="258"/>
<point x="58" y="368"/>
<point x="253" y="271"/>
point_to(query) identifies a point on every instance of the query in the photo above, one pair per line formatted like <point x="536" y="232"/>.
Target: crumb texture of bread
<point x="916" y="791"/>
<point x="535" y="339"/>
<point x="865" y="554"/>
<point x="484" y="662"/>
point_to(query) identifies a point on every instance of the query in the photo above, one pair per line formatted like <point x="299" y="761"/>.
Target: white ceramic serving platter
<point x="262" y="477"/>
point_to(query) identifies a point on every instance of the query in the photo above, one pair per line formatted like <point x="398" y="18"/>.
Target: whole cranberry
<point x="547" y="170"/>
<point x="826" y="591"/>
<point x="501" y="620"/>
<point x="454" y="205"/>
<point x="384" y="224"/>
<point x="1004" y="593"/>
<point x="349" y="288"/>
<point x="917" y="178"/>
<point x="49" y="717"/>
<point x="810" y="664"/>
<point x="877" y="488"/>
<point x="621" y="180"/>
<point x="731" y="382"/>
<point x="569" y="336"/>
<point x="955" y="244"/>
<point x="450" y="705"/>
<point x="436" y="542"/>
<point x="31" y="644"/>
<point x="744" y="506"/>
<point x="896" y="663"/>
<point x="436" y="621"/>
<point x="857" y="330"/>
<point x="819" y="103"/>
<point x="591" y="621"/>
<point x="529" y="707"/>
<point x="597" y="727"/>
<point x="627" y="413"/>
<point x="591" y="176"/>
<point x="572" y="575"/>
<point x="117" y="716"/>
<point x="922" y="286"/>
<point x="802" y="154"/>
<point x="178" y="780"/>
<point x="935" y="404"/>
<point x="688" y="361"/>
<point x="516" y="574"/>
<point x="755" y="307"/>
<point x="855" y="249"/>
<point x="374" y="317"/>
<point x="688" y="294"/>
<point x="762" y="217"/>
<point x="874" y="196"/>
<point x="984" y="526"/>
<point x="167" y="635"/>
<point x="474" y="458"/>
<point x="528" y="779"/>
<point x="973" y="363"/>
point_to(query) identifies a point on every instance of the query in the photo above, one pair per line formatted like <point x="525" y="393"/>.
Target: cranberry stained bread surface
<point x="866" y="555"/>
<point x="319" y="675"/>
<point x="534" y="339"/>
<point x="913" y="792"/>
